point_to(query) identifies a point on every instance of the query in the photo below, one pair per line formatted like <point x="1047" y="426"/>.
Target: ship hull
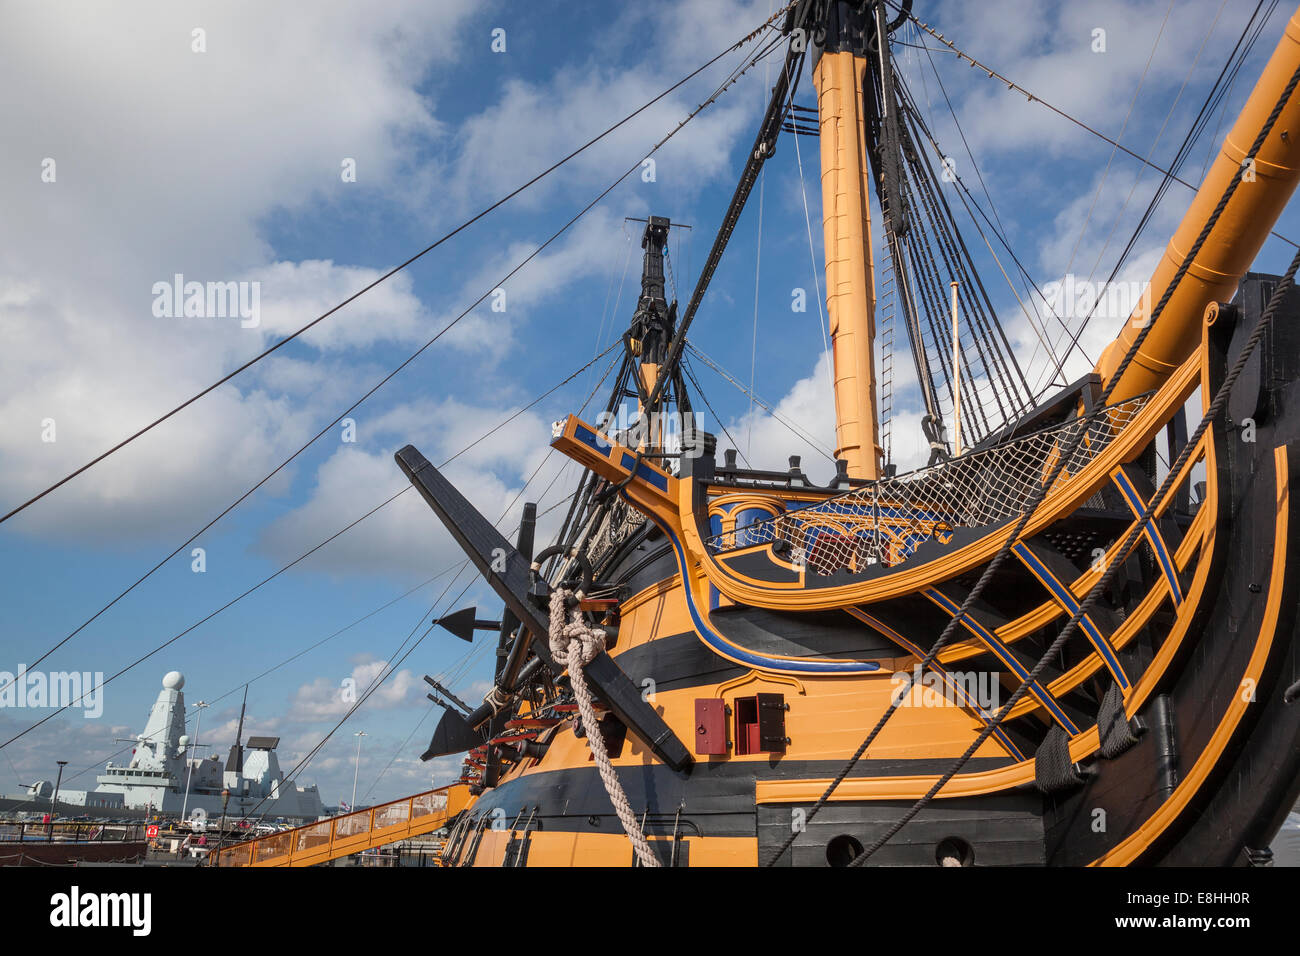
<point x="1198" y="639"/>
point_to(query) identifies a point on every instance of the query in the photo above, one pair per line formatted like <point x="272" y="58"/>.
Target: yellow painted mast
<point x="846" y="219"/>
<point x="1236" y="238"/>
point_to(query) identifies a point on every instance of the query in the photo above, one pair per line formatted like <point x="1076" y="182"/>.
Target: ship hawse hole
<point x="842" y="850"/>
<point x="954" y="851"/>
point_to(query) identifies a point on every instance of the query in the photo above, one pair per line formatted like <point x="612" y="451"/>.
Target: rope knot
<point x="575" y="644"/>
<point x="572" y="642"/>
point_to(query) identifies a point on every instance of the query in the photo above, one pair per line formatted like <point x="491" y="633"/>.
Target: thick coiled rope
<point x="574" y="645"/>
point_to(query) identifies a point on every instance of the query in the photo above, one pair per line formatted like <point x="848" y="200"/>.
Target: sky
<point x="303" y="151"/>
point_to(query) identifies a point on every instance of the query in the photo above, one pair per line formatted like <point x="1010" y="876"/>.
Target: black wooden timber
<point x="1066" y="571"/>
<point x="1053" y="411"/>
<point x="524" y="545"/>
<point x="1004" y="829"/>
<point x="487" y="550"/>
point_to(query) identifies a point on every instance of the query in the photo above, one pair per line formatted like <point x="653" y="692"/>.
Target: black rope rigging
<point x="996" y="227"/>
<point x="927" y="251"/>
<point x="1033" y="98"/>
<point x="596" y="496"/>
<point x="1005" y="367"/>
<point x="762" y="150"/>
<point x="699" y="390"/>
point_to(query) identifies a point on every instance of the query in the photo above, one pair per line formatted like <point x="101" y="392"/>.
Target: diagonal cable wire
<point x="301" y="557"/>
<point x="1034" y="98"/>
<point x="387" y="275"/>
<point x="735" y="75"/>
<point x="144" y="577"/>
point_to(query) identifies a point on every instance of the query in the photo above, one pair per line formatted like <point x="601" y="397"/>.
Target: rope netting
<point x="884" y="522"/>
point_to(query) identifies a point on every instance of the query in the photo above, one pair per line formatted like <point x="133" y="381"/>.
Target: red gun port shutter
<point x="760" y="725"/>
<point x="710" y="726"/>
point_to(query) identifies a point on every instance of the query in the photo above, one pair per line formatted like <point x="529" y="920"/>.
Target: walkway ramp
<point x="349" y="833"/>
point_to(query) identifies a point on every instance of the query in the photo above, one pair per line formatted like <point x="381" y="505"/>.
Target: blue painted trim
<point x="645" y="472"/>
<point x="591" y="440"/>
<point x="912" y="648"/>
<point x="1153" y="536"/>
<point x="1004" y="654"/>
<point x="1063" y="595"/>
<point x="721" y="646"/>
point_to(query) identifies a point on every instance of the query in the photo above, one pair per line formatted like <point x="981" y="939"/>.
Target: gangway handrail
<point x="338" y="836"/>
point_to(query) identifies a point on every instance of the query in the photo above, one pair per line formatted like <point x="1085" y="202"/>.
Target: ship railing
<point x="78" y="831"/>
<point x="885" y="521"/>
<point x="342" y="835"/>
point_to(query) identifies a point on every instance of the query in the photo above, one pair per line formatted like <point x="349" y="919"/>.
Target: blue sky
<point x="225" y="165"/>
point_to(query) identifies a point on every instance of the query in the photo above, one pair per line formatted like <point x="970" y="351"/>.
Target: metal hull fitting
<point x="1199" y="636"/>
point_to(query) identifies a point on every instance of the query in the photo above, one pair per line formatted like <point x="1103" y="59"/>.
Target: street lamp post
<point x="189" y="767"/>
<point x="221" y="834"/>
<point x="359" y="734"/>
<point x="54" y="800"/>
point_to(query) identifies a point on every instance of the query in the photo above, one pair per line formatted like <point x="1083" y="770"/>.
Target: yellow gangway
<point x="350" y="833"/>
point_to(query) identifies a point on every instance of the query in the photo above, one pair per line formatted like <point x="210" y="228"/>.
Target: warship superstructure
<point x="162" y="778"/>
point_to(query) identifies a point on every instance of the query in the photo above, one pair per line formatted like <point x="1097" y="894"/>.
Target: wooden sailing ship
<point x="1043" y="648"/>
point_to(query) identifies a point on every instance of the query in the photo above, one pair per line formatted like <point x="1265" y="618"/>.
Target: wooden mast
<point x="846" y="219"/>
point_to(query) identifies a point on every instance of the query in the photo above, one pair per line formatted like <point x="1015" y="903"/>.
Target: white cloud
<point x="170" y="161"/>
<point x="294" y="292"/>
<point x="596" y="246"/>
<point x="327" y="698"/>
<point x="405" y="538"/>
<point x="1051" y="54"/>
<point x="806" y="411"/>
<point x="556" y="117"/>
